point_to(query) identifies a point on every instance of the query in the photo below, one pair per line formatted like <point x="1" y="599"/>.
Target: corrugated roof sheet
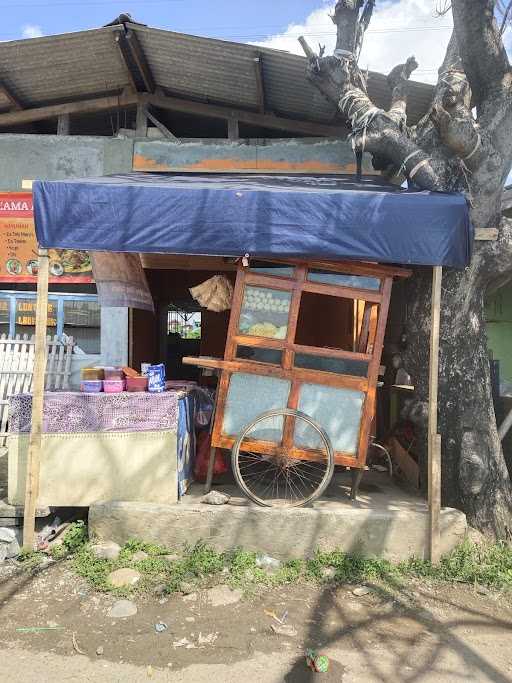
<point x="87" y="63"/>
<point x="62" y="67"/>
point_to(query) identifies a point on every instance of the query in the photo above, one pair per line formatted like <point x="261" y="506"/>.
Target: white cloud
<point x="399" y="29"/>
<point x="31" y="31"/>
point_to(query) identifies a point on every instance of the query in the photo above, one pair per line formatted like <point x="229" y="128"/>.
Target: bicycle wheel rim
<point x="322" y="482"/>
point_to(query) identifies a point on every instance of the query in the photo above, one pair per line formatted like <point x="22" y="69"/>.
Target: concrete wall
<point x="498" y="313"/>
<point x="264" y="156"/>
<point x="53" y="157"/>
<point x="114" y="344"/>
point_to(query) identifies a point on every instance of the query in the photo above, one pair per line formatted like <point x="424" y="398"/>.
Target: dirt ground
<point x="417" y="633"/>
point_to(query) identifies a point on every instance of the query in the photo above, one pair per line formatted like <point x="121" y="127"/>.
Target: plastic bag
<point x="203" y="447"/>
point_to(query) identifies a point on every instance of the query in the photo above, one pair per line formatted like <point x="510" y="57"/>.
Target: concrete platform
<point x="386" y="521"/>
<point x="12" y="515"/>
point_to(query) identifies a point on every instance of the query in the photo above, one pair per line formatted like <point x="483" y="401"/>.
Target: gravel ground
<point x="414" y="633"/>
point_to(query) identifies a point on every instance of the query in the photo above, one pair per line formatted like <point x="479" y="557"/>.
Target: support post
<point x="434" y="439"/>
<point x="63" y="124"/>
<point x="34" y="447"/>
<point x="141" y="122"/>
<point x="233" y="129"/>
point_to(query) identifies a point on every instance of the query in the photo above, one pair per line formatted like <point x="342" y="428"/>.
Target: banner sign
<point x="18" y="246"/>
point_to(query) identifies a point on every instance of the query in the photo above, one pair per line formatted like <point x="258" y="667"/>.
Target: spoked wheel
<point x="277" y="478"/>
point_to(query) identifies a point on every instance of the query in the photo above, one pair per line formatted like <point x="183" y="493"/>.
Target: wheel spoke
<point x="275" y="478"/>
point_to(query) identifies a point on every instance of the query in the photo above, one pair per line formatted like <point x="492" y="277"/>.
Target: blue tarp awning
<point x="265" y="216"/>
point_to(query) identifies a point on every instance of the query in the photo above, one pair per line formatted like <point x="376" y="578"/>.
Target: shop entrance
<point x="183" y="339"/>
<point x="179" y="327"/>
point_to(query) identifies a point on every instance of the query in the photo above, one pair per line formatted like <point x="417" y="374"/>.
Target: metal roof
<point x="81" y="65"/>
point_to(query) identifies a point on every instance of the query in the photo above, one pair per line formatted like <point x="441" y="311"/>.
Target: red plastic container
<point x="136" y="384"/>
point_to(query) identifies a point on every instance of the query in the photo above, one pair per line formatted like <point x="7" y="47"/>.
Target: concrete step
<point x="396" y="532"/>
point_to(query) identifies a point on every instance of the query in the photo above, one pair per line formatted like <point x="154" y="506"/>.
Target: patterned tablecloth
<point x="72" y="412"/>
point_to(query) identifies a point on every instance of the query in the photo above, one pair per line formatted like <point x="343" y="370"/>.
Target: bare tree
<point x="464" y="143"/>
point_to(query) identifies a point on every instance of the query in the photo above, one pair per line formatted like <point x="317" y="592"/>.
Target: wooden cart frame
<point x="373" y="304"/>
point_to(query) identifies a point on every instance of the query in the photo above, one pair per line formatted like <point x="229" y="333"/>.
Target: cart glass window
<point x="341" y="366"/>
<point x="357" y="281"/>
<point x="265" y="312"/>
<point x="338" y="411"/>
<point x="249" y="396"/>
<point x="259" y="355"/>
<point x="275" y="271"/>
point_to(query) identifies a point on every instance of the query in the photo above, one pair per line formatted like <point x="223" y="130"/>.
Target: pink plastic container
<point x="113" y="386"/>
<point x="113" y="373"/>
<point x="91" y="386"/>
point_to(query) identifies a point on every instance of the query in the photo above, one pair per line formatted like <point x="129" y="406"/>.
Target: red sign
<point x="18" y="246"/>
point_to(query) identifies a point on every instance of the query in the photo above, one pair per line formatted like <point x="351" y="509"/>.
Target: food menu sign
<point x="18" y="246"/>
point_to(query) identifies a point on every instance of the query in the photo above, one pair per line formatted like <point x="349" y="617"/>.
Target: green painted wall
<point x="498" y="314"/>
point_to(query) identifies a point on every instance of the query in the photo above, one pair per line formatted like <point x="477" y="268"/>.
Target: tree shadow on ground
<point x="397" y="638"/>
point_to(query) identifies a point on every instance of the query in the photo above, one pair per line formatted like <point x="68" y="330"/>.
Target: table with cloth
<point x="125" y="446"/>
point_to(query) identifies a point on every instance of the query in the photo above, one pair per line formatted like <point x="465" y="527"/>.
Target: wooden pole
<point x="141" y="124"/>
<point x="34" y="447"/>
<point x="233" y="129"/>
<point x="434" y="439"/>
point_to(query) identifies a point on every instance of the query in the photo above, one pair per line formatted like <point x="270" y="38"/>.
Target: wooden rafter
<point x="134" y="59"/>
<point x="158" y="124"/>
<point x="140" y="60"/>
<point x="15" y="103"/>
<point x="81" y="107"/>
<point x="247" y="117"/>
<point x="260" y="82"/>
<point x="112" y="102"/>
<point x="124" y="51"/>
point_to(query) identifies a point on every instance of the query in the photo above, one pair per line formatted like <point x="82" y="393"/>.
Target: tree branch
<point x="480" y="45"/>
<point x="451" y="113"/>
<point x="373" y="130"/>
<point x="398" y="83"/>
<point x="346" y="18"/>
<point x="506" y="14"/>
<point x="351" y="24"/>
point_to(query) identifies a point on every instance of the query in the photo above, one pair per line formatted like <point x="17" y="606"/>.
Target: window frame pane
<point x="347" y="280"/>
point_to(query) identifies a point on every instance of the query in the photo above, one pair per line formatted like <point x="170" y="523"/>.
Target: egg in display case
<point x="265" y="312"/>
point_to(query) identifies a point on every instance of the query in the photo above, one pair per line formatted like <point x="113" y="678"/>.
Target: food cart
<point x="290" y="410"/>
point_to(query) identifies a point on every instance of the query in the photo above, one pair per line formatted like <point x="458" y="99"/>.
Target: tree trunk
<point x="451" y="149"/>
<point x="474" y="474"/>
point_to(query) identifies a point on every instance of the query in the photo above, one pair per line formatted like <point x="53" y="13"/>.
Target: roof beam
<point x="80" y="107"/>
<point x="140" y="60"/>
<point x="172" y="104"/>
<point x="260" y="82"/>
<point x="158" y="124"/>
<point x="247" y="117"/>
<point x="15" y="103"/>
<point x="125" y="52"/>
<point x="137" y="67"/>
